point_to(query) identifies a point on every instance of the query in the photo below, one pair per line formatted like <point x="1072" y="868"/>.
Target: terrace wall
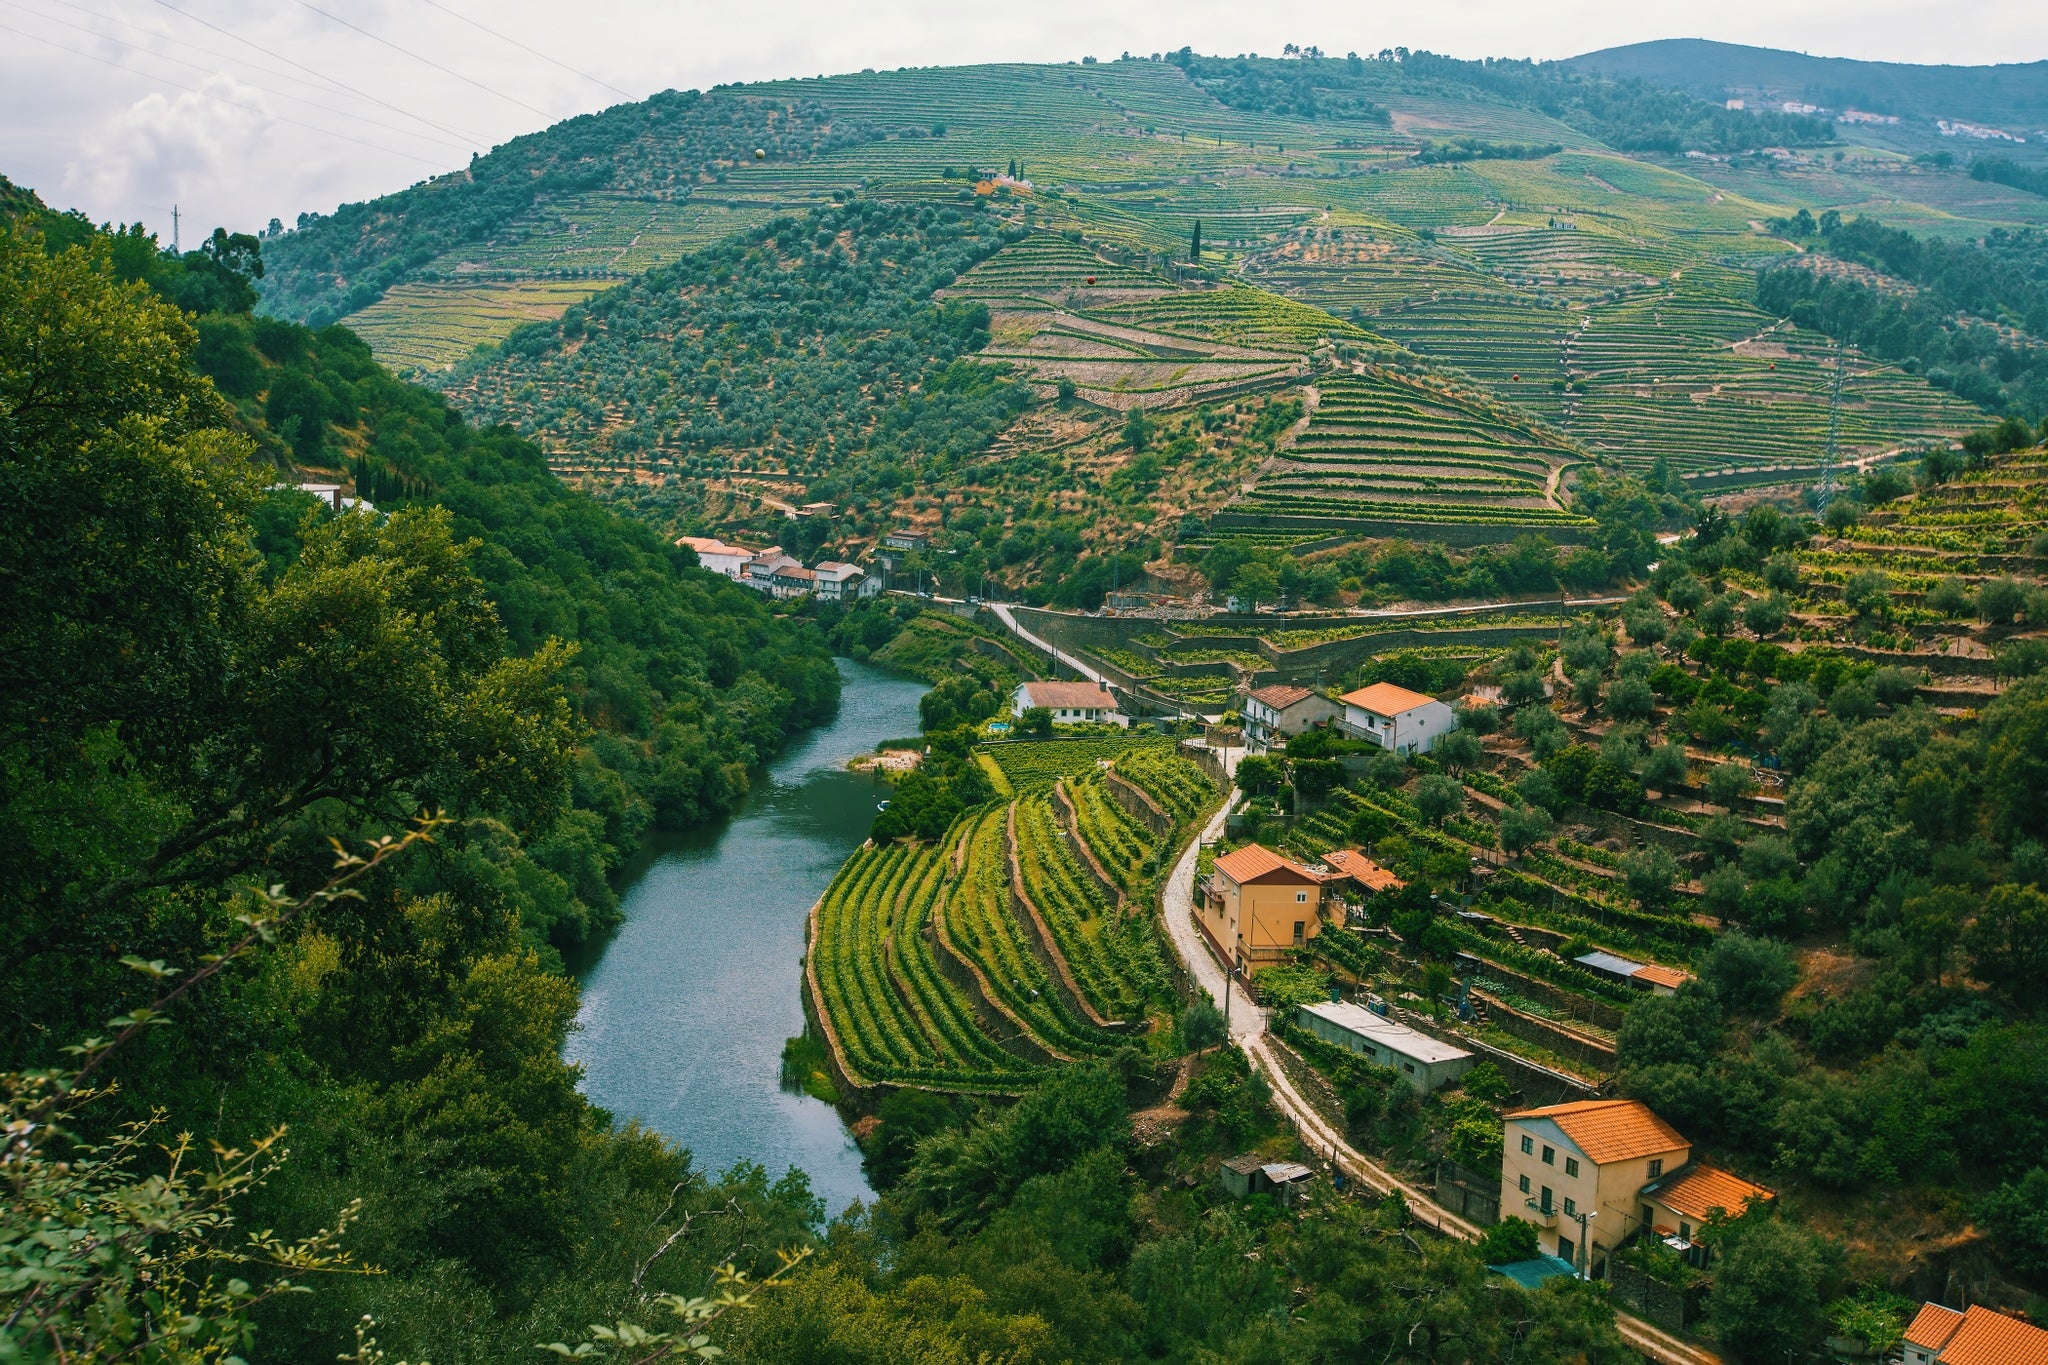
<point x="1457" y="533"/>
<point x="1530" y="1029"/>
<point x="1138" y="804"/>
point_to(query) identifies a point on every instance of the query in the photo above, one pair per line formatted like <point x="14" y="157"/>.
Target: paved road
<point x="1248" y="1031"/>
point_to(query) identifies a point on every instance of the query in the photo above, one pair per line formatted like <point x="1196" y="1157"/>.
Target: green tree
<point x="1260" y="775"/>
<point x="1768" y="1282"/>
<point x="1458" y="750"/>
<point x="1438" y="798"/>
<point x="1668" y="768"/>
<point x="1749" y="975"/>
<point x="1195" y="243"/>
<point x="2008" y="942"/>
<point x="1728" y="783"/>
<point x="1255" y="583"/>
<point x="1524" y="827"/>
<point x="1649" y="874"/>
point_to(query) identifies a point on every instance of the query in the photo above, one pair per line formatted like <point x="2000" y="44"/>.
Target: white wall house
<point x="1397" y="719"/>
<point x="1069" y="702"/>
<point x="719" y="557"/>
<point x="834" y="581"/>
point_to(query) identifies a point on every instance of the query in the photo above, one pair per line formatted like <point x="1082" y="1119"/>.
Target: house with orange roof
<point x="1259" y="906"/>
<point x="1975" y="1336"/>
<point x="1677" y="1206"/>
<point x="1276" y="711"/>
<point x="1577" y="1171"/>
<point x="1397" y="719"/>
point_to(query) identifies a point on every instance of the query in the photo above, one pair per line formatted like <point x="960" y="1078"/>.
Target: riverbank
<point x="686" y="1008"/>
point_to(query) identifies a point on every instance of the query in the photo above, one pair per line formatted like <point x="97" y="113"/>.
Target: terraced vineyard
<point x="973" y="964"/>
<point x="431" y="326"/>
<point x="1126" y="336"/>
<point x="894" y="1015"/>
<point x="1396" y="448"/>
<point x="1036" y="763"/>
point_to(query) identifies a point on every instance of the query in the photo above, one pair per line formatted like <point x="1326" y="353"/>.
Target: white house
<point x="719" y="557"/>
<point x="1069" y="702"/>
<point x="834" y="581"/>
<point x="1274" y="712"/>
<point x="1397" y="719"/>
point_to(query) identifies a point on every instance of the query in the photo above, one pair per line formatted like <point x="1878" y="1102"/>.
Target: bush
<point x="1749" y="975"/>
<point x="1728" y="783"/>
<point x="1510" y="1240"/>
<point x="1767" y="1281"/>
<point x="1781" y="572"/>
<point x="1950" y="597"/>
<point x="1867" y="593"/>
<point x="2017" y="1215"/>
<point x="2000" y="600"/>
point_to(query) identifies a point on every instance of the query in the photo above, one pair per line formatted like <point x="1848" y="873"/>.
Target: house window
<point x="1571" y="1165"/>
<point x="1543" y="1200"/>
<point x="1408" y="1067"/>
<point x="1528" y="1144"/>
<point x="1656" y="1167"/>
<point x="1525" y="1184"/>
<point x="1301" y="898"/>
<point x="1550" y="1156"/>
<point x="1571" y="1208"/>
<point x="1300" y="929"/>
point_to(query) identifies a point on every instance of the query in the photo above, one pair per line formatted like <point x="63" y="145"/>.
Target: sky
<point x="240" y="111"/>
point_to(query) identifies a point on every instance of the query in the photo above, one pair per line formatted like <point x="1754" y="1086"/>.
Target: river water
<point x="686" y="1007"/>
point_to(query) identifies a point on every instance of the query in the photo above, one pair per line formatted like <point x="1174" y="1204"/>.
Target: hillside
<point x="1581" y="250"/>
<point x="2013" y="96"/>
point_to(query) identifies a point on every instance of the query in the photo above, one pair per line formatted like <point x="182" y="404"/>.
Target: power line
<point x="214" y="70"/>
<point x="208" y="94"/>
<point x="508" y="38"/>
<point x="469" y="139"/>
<point x="427" y="61"/>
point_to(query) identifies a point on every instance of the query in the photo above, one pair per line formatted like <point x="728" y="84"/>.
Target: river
<point x="686" y="1007"/>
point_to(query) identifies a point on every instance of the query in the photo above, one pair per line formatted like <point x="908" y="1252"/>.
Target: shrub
<point x="1728" y="783"/>
<point x="1509" y="1240"/>
<point x="1867" y="593"/>
<point x="1950" y="597"/>
<point x="1749" y="975"/>
<point x="2000" y="600"/>
<point x="1781" y="572"/>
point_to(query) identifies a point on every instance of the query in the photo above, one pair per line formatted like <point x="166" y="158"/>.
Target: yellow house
<point x="1577" y="1172"/>
<point x="1260" y="905"/>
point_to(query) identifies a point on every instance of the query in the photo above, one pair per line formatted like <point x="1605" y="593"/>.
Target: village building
<point x="1397" y="719"/>
<point x="1286" y="1181"/>
<point x="1071" y="703"/>
<point x="1678" y="1205"/>
<point x="1259" y="906"/>
<point x="719" y="557"/>
<point x="1975" y="1336"/>
<point x="1577" y="1172"/>
<point x="1424" y="1062"/>
<point x="834" y="581"/>
<point x="1644" y="976"/>
<point x="1275" y="712"/>
<point x="1356" y="880"/>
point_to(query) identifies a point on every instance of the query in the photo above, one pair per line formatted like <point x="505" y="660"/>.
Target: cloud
<point x="116" y="145"/>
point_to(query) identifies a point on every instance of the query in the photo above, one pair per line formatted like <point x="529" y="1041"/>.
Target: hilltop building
<point x="1258" y="906"/>
<point x="1396" y="719"/>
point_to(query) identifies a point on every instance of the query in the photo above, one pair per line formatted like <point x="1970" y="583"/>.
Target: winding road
<point x="1248" y="1031"/>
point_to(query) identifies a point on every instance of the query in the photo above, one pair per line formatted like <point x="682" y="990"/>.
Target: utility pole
<point x="1827" y="469"/>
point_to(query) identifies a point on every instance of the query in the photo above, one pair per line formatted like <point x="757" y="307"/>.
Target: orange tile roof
<point x="1385" y="699"/>
<point x="1661" y="976"/>
<point x="1363" y="870"/>
<point x="1069" y="696"/>
<point x="1256" y="860"/>
<point x="1611" y="1130"/>
<point x="1280" y="696"/>
<point x="1697" y="1191"/>
<point x="1933" y="1325"/>
<point x="1982" y="1337"/>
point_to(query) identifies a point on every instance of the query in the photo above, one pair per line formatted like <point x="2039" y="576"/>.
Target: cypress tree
<point x="1195" y="244"/>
